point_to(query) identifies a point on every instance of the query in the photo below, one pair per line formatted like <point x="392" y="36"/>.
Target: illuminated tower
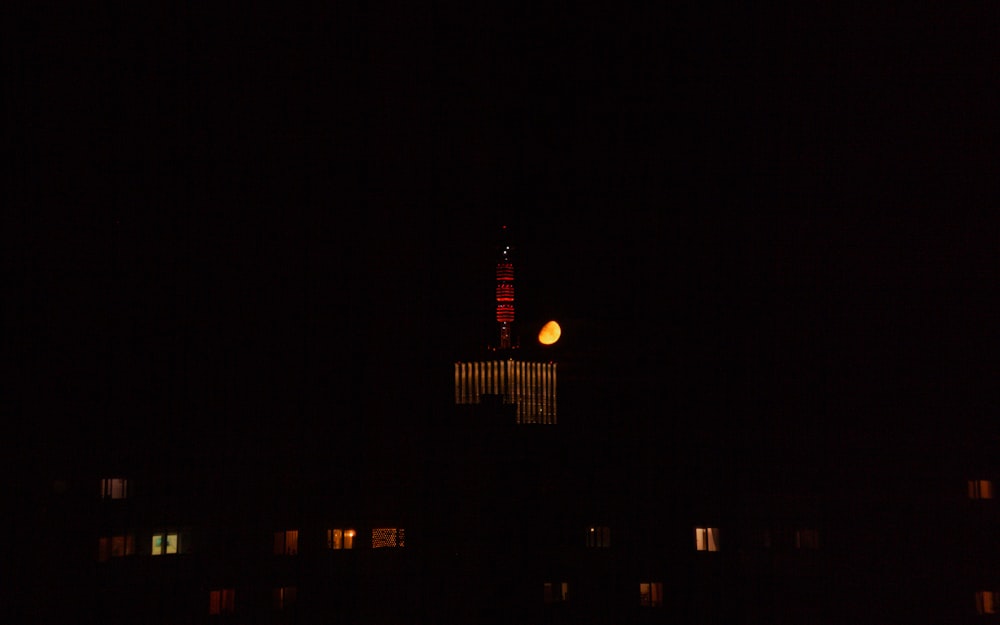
<point x="528" y="384"/>
<point x="505" y="293"/>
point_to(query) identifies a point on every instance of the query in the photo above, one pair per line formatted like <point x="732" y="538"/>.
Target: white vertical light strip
<point x="505" y="391"/>
<point x="466" y="375"/>
<point x="529" y="417"/>
<point x="543" y="392"/>
<point x="552" y="392"/>
<point x="507" y="383"/>
<point x="513" y="391"/>
<point x="536" y="393"/>
<point x="466" y="382"/>
<point x="518" y="381"/>
<point x="539" y="410"/>
<point x="525" y="393"/>
<point x="546" y="397"/>
<point x="484" y="386"/>
<point x="469" y="382"/>
<point x="475" y="383"/>
<point x="529" y="403"/>
<point x="522" y="388"/>
<point x="555" y="395"/>
<point x="480" y="382"/>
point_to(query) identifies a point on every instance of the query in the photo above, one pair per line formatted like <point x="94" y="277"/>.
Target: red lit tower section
<point x="505" y="295"/>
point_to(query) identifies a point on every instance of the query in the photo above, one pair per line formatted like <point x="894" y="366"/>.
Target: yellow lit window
<point x="651" y="594"/>
<point x="165" y="544"/>
<point x="986" y="601"/>
<point x="387" y="537"/>
<point x="114" y="488"/>
<point x="555" y="592"/>
<point x="286" y="543"/>
<point x="340" y="539"/>
<point x="706" y="538"/>
<point x="222" y="601"/>
<point x="599" y="536"/>
<point x="980" y="489"/>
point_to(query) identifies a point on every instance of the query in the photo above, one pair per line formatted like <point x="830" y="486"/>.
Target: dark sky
<point x="274" y="207"/>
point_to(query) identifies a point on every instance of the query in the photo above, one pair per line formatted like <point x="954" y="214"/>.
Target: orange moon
<point x="550" y="333"/>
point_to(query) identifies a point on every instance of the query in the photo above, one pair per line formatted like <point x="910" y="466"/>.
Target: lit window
<point x="222" y="601"/>
<point x="986" y="601"/>
<point x="387" y="537"/>
<point x="114" y="488"/>
<point x="980" y="489"/>
<point x="651" y="594"/>
<point x="165" y="544"/>
<point x="286" y="543"/>
<point x="340" y="539"/>
<point x="555" y="592"/>
<point x="806" y="539"/>
<point x="115" y="547"/>
<point x="706" y="538"/>
<point x="599" y="537"/>
<point x="284" y="597"/>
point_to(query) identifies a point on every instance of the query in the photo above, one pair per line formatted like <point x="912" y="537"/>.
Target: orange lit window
<point x="167" y="543"/>
<point x="555" y="592"/>
<point x="599" y="536"/>
<point x="340" y="539"/>
<point x="986" y="601"/>
<point x="651" y="594"/>
<point x="388" y="537"/>
<point x="980" y="489"/>
<point x="706" y="538"/>
<point x="284" y="597"/>
<point x="222" y="601"/>
<point x="115" y="547"/>
<point x="286" y="543"/>
<point x="114" y="488"/>
<point x="806" y="539"/>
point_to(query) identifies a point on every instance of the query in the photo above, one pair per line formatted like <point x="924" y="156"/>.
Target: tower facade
<point x="505" y="295"/>
<point x="527" y="384"/>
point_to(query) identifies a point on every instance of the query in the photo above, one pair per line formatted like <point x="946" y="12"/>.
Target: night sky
<point x="280" y="211"/>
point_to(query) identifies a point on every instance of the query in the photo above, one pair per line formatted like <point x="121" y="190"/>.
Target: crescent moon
<point x="550" y="333"/>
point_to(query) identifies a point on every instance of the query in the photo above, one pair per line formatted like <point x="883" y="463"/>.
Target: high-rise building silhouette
<point x="506" y="371"/>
